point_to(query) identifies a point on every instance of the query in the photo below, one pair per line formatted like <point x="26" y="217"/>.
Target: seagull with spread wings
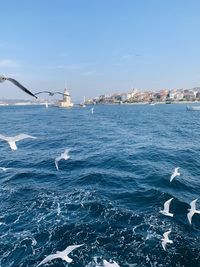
<point x="61" y="254"/>
<point x="49" y="92"/>
<point x="165" y="211"/>
<point x="166" y="239"/>
<point x="64" y="156"/>
<point x="13" y="139"/>
<point x="192" y="210"/>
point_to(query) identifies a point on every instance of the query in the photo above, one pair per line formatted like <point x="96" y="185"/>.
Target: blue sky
<point x="99" y="46"/>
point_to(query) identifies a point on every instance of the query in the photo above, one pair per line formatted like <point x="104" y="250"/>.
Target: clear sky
<point x="99" y="46"/>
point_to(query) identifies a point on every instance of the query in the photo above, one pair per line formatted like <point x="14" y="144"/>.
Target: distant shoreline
<point x="7" y="104"/>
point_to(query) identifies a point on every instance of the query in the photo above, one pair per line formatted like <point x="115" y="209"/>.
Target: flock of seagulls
<point x="61" y="254"/>
<point x="64" y="256"/>
<point x="65" y="156"/>
<point x="166" y="211"/>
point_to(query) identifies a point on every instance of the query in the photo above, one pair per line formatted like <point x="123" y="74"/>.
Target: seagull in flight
<point x="49" y="92"/>
<point x="5" y="169"/>
<point x="61" y="254"/>
<point x="12" y="140"/>
<point x="192" y="210"/>
<point x="109" y="264"/>
<point x="166" y="239"/>
<point x="174" y="174"/>
<point x="3" y="79"/>
<point x="64" y="156"/>
<point x="165" y="211"/>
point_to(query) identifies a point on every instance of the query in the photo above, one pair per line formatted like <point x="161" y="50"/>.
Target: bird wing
<point x="189" y="216"/>
<point x="176" y="169"/>
<point x="21" y="87"/>
<point x="48" y="92"/>
<point x="71" y="248"/>
<point x="22" y="136"/>
<point x="4" y="137"/>
<point x="57" y="160"/>
<point x="164" y="245"/>
<point x="166" y="234"/>
<point x="105" y="263"/>
<point x="172" y="176"/>
<point x="49" y="258"/>
<point x="115" y="264"/>
<point x="66" y="151"/>
<point x="167" y="204"/>
<point x="56" y="163"/>
<point x="193" y="204"/>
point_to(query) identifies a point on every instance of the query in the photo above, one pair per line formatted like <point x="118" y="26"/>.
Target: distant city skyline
<point x="99" y="47"/>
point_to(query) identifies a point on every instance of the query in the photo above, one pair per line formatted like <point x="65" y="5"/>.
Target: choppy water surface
<point x="108" y="195"/>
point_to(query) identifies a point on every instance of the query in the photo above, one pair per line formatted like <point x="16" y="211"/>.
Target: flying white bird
<point x="60" y="254"/>
<point x="166" y="208"/>
<point x="109" y="264"/>
<point x="192" y="210"/>
<point x="5" y="169"/>
<point x="3" y="79"/>
<point x="11" y="140"/>
<point x="166" y="240"/>
<point x="92" y="110"/>
<point x="174" y="174"/>
<point x="64" y="156"/>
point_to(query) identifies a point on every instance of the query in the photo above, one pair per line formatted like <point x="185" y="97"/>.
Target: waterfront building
<point x="66" y="101"/>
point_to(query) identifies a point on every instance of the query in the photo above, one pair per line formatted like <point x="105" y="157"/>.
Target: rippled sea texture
<point x="108" y="195"/>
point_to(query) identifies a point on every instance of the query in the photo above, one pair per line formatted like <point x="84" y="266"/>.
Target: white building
<point x="66" y="102"/>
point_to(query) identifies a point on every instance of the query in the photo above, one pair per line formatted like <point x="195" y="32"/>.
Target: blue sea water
<point x="108" y="195"/>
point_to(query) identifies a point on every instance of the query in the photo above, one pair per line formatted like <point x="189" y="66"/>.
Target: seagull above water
<point x="61" y="254"/>
<point x="166" y="239"/>
<point x="3" y="79"/>
<point x="49" y="92"/>
<point x="64" y="156"/>
<point x="5" y="169"/>
<point x="192" y="210"/>
<point x="92" y="110"/>
<point x="108" y="264"/>
<point x="174" y="174"/>
<point x="11" y="140"/>
<point x="166" y="208"/>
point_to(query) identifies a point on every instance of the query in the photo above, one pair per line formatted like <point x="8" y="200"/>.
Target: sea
<point x="108" y="195"/>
